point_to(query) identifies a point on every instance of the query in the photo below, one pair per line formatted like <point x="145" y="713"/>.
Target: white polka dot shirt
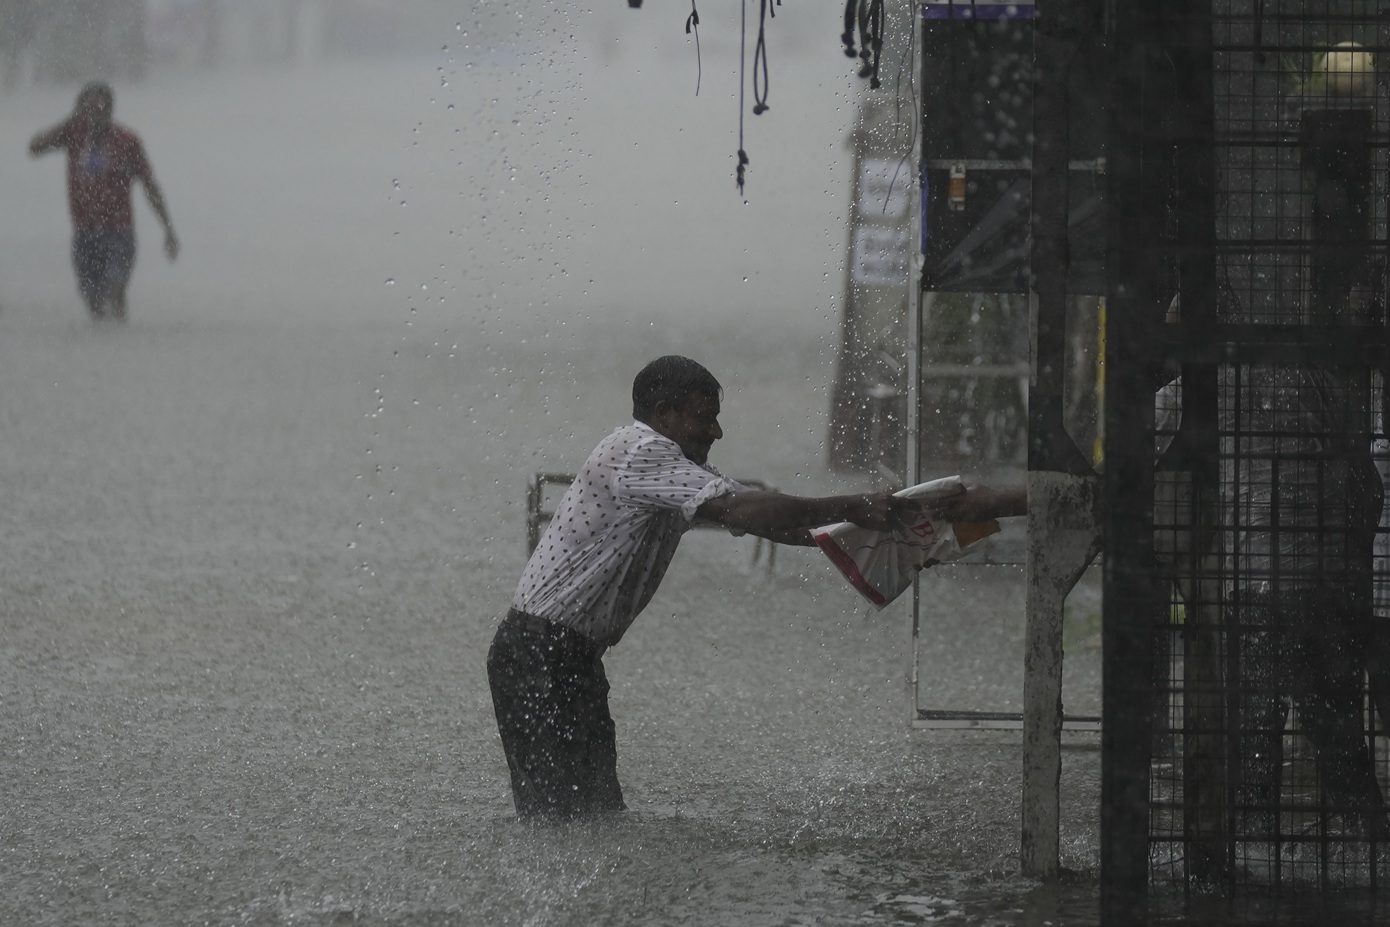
<point x="614" y="533"/>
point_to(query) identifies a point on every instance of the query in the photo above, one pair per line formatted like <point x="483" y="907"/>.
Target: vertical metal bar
<point x="1237" y="606"/>
<point x="1056" y="39"/>
<point x="1135" y="227"/>
<point x="917" y="301"/>
<point x="845" y="449"/>
<point x="1191" y="140"/>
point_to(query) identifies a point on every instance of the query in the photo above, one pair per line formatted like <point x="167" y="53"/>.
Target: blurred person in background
<point x="104" y="160"/>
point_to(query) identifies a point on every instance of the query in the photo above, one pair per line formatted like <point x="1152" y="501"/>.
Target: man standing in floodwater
<point x="104" y="159"/>
<point x="599" y="563"/>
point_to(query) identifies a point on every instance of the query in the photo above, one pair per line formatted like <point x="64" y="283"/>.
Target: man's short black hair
<point x="97" y="88"/>
<point x="673" y="378"/>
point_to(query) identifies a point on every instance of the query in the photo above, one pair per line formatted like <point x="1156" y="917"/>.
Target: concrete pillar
<point x="1063" y="539"/>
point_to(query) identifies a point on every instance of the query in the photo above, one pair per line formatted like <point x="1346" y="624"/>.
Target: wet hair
<point x="673" y="378"/>
<point x="98" y="88"/>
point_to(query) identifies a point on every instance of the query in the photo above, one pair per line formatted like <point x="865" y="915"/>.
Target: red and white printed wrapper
<point x="882" y="564"/>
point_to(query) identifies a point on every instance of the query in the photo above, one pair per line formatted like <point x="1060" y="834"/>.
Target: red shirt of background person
<point x="100" y="174"/>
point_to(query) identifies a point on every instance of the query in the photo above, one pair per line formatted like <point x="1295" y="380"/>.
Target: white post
<point x="1062" y="541"/>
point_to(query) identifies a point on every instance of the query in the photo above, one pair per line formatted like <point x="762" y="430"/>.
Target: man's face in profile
<point x="695" y="427"/>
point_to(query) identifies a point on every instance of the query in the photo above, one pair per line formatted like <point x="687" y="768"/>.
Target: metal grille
<point x="1270" y="628"/>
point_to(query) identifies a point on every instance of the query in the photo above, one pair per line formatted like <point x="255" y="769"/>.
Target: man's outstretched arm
<point x="788" y="519"/>
<point x="795" y="537"/>
<point x="48" y="140"/>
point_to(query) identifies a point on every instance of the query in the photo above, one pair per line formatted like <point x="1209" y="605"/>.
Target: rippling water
<point x="242" y="671"/>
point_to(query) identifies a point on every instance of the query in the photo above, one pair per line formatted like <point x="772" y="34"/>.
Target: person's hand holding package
<point x="981" y="503"/>
<point x="887" y="511"/>
<point x="915" y="533"/>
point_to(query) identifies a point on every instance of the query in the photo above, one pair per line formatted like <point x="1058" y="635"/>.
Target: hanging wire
<point x="909" y="63"/>
<point x="862" y="19"/>
<point x="742" y="57"/>
<point x="847" y="37"/>
<point x="692" y="24"/>
<point x="874" y="41"/>
<point x="760" y="58"/>
<point x="867" y="16"/>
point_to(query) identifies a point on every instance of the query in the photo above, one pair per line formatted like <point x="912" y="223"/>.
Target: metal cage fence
<point x="1270" y="619"/>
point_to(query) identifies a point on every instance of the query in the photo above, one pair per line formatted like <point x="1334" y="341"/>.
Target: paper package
<point x="882" y="564"/>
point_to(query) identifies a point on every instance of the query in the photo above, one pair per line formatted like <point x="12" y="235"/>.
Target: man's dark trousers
<point x="550" y="694"/>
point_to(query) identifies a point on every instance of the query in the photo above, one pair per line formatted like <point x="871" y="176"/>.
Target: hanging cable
<point x="760" y="58"/>
<point x="847" y="37"/>
<point x="862" y="18"/>
<point x="875" y="19"/>
<point x="908" y="63"/>
<point x="692" y="23"/>
<point x="868" y="17"/>
<point x="742" y="57"/>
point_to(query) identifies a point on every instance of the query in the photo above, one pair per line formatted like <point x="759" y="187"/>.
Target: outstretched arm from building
<point x="981" y="503"/>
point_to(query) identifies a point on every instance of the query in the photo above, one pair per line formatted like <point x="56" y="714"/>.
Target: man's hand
<point x="980" y="503"/>
<point x="171" y="244"/>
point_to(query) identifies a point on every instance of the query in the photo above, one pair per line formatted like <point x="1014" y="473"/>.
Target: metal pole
<point x="916" y="305"/>
<point x="917" y="301"/>
<point x="1140" y="97"/>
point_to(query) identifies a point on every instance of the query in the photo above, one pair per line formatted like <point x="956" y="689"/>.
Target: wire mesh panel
<point x="1269" y="623"/>
<point x="1266" y="754"/>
